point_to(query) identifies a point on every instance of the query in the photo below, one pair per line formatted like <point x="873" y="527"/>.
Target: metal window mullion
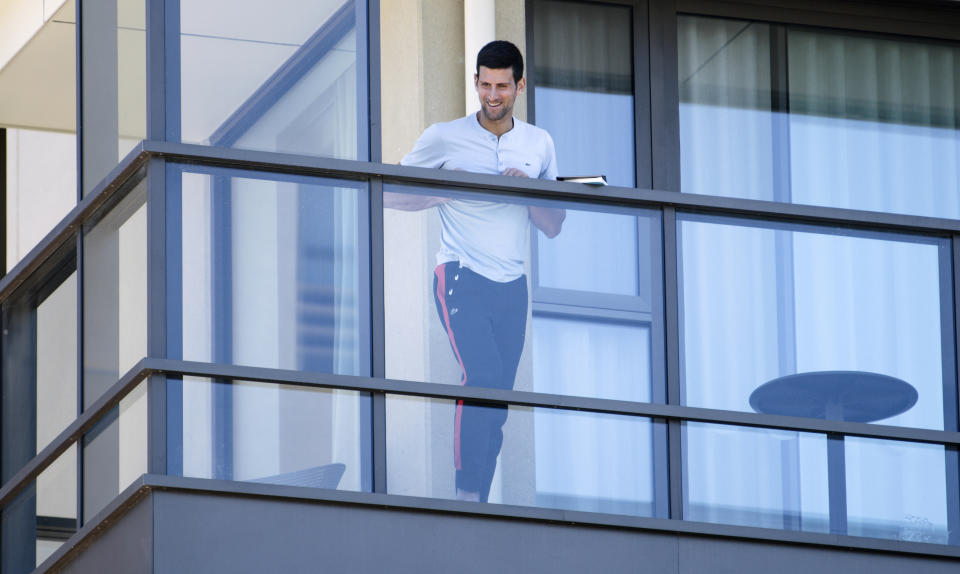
<point x="378" y="335"/>
<point x="950" y="276"/>
<point x="672" y="344"/>
<point x="170" y="44"/>
<point x="81" y="273"/>
<point x="664" y="96"/>
<point x="374" y="135"/>
<point x="78" y="48"/>
<point x="156" y="66"/>
<point x="642" y="111"/>
<point x="156" y="313"/>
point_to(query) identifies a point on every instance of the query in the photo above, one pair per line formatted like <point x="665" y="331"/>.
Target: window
<point x="819" y="117"/>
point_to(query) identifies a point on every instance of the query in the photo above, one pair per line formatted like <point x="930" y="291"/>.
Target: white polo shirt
<point x="487" y="237"/>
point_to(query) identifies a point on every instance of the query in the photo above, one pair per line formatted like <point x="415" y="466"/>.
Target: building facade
<point x="221" y="352"/>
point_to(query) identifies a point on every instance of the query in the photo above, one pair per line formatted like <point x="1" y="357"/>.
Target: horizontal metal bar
<point x="544" y="400"/>
<point x="463" y="182"/>
<point x="506" y="511"/>
<point x="538" y="188"/>
<point x="60" y="234"/>
<point x="74" y="431"/>
<point x="579" y="313"/>
<point x="170" y="367"/>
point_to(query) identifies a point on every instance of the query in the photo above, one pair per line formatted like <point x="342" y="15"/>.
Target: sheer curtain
<point x="834" y="119"/>
<point x="753" y="310"/>
<point x="600" y="262"/>
<point x="872" y="122"/>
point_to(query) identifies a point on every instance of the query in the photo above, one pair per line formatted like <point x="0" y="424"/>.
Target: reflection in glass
<point x="779" y="479"/>
<point x="41" y="517"/>
<point x="755" y="477"/>
<point x="818" y="117"/>
<point x="276" y="434"/>
<point x="594" y="322"/>
<point x="896" y="490"/>
<point x="759" y="303"/>
<point x="115" y="452"/>
<point x="271" y="271"/>
<point x="39" y="387"/>
<point x="583" y="70"/>
<point x="278" y="76"/>
<point x="550" y="458"/>
<point x="115" y="293"/>
<point x="576" y="357"/>
<point x="581" y="258"/>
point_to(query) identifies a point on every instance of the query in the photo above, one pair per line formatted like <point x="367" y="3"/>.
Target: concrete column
<point x="479" y="28"/>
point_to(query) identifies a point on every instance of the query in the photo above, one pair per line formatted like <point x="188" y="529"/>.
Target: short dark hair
<point x="501" y="54"/>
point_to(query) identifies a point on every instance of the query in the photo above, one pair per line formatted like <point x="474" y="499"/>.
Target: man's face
<point x="497" y="91"/>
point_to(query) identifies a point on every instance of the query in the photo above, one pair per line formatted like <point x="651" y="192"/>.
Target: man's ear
<point x="521" y="85"/>
<point x="476" y="80"/>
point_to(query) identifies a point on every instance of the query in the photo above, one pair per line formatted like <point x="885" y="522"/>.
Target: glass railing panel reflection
<point x="281" y="77"/>
<point x="819" y="117"/>
<point x="115" y="452"/>
<point x="550" y="458"/>
<point x="39" y="361"/>
<point x="755" y="477"/>
<point x="41" y="517"/>
<point x="114" y="292"/>
<point x="270" y="433"/>
<point x="766" y="305"/>
<point x="477" y="293"/>
<point x="808" y="482"/>
<point x="273" y="270"/>
<point x="898" y="490"/>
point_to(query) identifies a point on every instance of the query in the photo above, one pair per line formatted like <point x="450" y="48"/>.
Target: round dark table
<point x="854" y="396"/>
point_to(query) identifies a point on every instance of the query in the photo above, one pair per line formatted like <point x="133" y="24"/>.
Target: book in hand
<point x="587" y="179"/>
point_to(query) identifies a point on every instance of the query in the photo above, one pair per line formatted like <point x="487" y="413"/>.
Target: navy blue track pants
<point x="485" y="321"/>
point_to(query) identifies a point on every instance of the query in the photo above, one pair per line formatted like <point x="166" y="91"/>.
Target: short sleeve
<point x="549" y="170"/>
<point x="427" y="151"/>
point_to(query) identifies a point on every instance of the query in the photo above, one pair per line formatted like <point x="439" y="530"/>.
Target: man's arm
<point x="549" y="220"/>
<point x="411" y="201"/>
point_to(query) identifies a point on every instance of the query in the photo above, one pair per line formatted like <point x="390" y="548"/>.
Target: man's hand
<point x="549" y="220"/>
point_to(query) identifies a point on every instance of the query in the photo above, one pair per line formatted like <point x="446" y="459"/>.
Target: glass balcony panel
<point x="272" y="433"/>
<point x="115" y="452"/>
<point x="41" y="517"/>
<point x="279" y="77"/>
<point x="573" y="261"/>
<point x="115" y="293"/>
<point x="761" y="301"/>
<point x="56" y="361"/>
<point x="39" y="361"/>
<point x="549" y="458"/>
<point x="818" y="117"/>
<point x="755" y="477"/>
<point x="273" y="271"/>
<point x="781" y="479"/>
<point x="897" y="490"/>
<point x="456" y="298"/>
